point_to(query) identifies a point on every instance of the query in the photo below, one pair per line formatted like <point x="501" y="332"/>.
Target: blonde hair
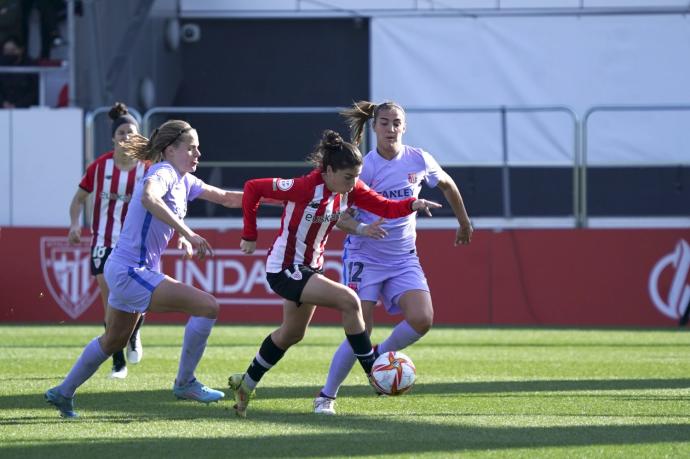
<point x="359" y="113"/>
<point x="169" y="133"/>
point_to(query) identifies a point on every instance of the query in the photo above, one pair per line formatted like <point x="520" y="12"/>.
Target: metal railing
<point x="90" y="119"/>
<point x="580" y="140"/>
<point x="42" y="73"/>
<point x="494" y="8"/>
<point x="146" y="126"/>
<point x="502" y="111"/>
<point x="583" y="220"/>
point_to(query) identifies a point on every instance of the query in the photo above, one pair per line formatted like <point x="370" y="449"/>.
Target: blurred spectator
<point x="10" y="19"/>
<point x="49" y="12"/>
<point x="17" y="90"/>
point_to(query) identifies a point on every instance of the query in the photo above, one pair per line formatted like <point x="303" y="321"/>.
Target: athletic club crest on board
<point x="67" y="274"/>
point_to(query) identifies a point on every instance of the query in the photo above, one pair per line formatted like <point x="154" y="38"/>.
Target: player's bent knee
<point x="204" y="305"/>
<point x="421" y="324"/>
<point x="111" y="344"/>
<point x="286" y="337"/>
<point x="349" y="303"/>
<point x="210" y="307"/>
<point x="293" y="338"/>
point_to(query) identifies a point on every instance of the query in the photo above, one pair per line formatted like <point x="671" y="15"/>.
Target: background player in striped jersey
<point x="157" y="210"/>
<point x="389" y="268"/>
<point x="313" y="205"/>
<point x="111" y="178"/>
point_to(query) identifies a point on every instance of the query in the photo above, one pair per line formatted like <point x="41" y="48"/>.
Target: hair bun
<point x="332" y="140"/>
<point x="118" y="110"/>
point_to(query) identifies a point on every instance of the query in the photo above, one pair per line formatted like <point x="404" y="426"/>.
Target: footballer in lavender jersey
<point x="157" y="210"/>
<point x="380" y="260"/>
<point x="144" y="238"/>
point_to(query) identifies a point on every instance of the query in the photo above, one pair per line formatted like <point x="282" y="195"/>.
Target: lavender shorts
<point x="376" y="281"/>
<point x="130" y="288"/>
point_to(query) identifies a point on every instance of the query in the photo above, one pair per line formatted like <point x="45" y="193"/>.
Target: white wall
<point x="43" y="157"/>
<point x="574" y="61"/>
<point x="5" y="164"/>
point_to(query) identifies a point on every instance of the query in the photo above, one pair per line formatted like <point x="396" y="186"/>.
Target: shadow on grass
<point x="350" y="435"/>
<point x="344" y="436"/>
<point x="513" y="387"/>
<point x="556" y="385"/>
<point x="153" y="398"/>
<point x="520" y="344"/>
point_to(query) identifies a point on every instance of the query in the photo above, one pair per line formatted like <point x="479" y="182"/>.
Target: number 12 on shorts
<point x="354" y="273"/>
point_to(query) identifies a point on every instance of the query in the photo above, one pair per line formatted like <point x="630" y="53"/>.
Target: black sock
<point x="361" y="345"/>
<point x="269" y="354"/>
<point x="119" y="359"/>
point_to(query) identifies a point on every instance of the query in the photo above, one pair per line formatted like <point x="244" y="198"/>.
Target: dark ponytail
<point x="119" y="113"/>
<point x="360" y="112"/>
<point x="333" y="151"/>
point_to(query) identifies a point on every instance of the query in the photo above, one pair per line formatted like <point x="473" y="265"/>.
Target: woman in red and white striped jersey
<point x="111" y="179"/>
<point x="313" y="205"/>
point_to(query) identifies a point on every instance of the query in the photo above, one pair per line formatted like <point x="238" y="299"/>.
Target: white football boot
<point x="135" y="351"/>
<point x="324" y="405"/>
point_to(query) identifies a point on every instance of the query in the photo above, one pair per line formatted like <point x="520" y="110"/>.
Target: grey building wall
<point x="118" y="45"/>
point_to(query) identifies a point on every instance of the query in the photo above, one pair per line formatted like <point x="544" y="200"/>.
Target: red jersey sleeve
<point x="370" y="200"/>
<point x="88" y="181"/>
<point x="267" y="190"/>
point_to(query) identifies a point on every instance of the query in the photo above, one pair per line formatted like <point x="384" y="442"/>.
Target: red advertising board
<point x="609" y="277"/>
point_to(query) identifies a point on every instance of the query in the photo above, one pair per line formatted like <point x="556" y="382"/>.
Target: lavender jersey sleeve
<point x="195" y="187"/>
<point x="433" y="170"/>
<point x="144" y="237"/>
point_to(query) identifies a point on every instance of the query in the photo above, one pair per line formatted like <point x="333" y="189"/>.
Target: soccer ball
<point x="393" y="373"/>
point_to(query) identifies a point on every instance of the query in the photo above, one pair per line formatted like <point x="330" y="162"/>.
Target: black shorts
<point x="98" y="257"/>
<point x="290" y="283"/>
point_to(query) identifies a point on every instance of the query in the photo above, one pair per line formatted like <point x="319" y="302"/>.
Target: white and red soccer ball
<point x="393" y="373"/>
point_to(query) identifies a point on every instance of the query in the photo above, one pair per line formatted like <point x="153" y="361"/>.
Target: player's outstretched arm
<point x="153" y="202"/>
<point x="247" y="247"/>
<point x="225" y="198"/>
<point x="351" y="225"/>
<point x="75" y="208"/>
<point x="425" y="205"/>
<point x="186" y="247"/>
<point x="463" y="235"/>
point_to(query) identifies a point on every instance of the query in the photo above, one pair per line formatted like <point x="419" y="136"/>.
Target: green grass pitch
<point x="481" y="392"/>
